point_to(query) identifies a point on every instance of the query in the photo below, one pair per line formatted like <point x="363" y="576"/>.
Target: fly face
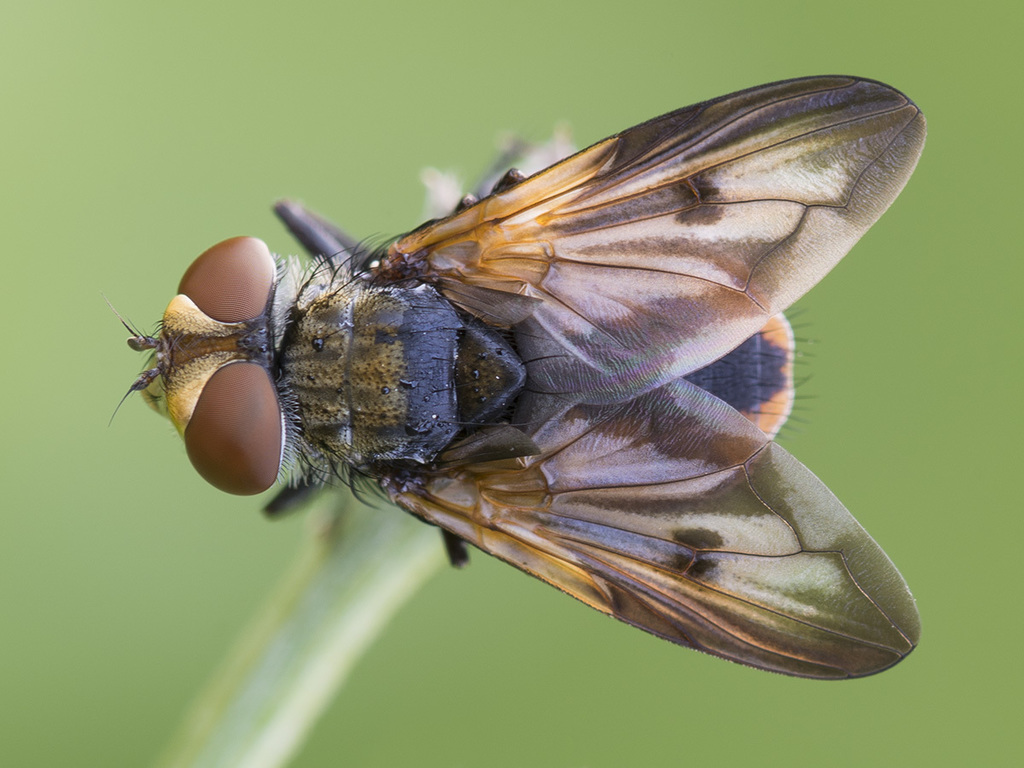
<point x="581" y="372"/>
<point x="213" y="367"/>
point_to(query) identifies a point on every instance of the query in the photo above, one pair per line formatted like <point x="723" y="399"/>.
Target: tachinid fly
<point x="581" y="372"/>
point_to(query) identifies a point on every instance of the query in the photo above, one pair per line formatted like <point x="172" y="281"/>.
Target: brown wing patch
<point x="645" y="258"/>
<point x="675" y="514"/>
<point x="659" y="250"/>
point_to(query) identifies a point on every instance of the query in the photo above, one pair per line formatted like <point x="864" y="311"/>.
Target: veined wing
<point x="658" y="250"/>
<point x="675" y="514"/>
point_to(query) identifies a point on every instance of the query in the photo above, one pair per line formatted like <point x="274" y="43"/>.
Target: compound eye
<point x="235" y="437"/>
<point x="231" y="282"/>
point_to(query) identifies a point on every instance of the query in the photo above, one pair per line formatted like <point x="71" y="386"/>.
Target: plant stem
<point x="359" y="566"/>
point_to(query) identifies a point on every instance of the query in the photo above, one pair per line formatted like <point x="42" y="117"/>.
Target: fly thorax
<point x="371" y="372"/>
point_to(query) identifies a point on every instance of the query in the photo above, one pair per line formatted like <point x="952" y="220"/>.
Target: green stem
<point x="354" y="573"/>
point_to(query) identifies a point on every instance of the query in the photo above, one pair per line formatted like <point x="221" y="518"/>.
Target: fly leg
<point x="325" y="242"/>
<point x="458" y="555"/>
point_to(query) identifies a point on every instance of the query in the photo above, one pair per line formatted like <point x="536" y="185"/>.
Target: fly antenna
<point x="139" y="341"/>
<point x="144" y="380"/>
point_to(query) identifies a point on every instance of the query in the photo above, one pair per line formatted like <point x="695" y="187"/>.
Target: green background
<point x="134" y="136"/>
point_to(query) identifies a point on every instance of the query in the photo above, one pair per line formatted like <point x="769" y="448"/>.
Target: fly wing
<point x="658" y="250"/>
<point x="672" y="512"/>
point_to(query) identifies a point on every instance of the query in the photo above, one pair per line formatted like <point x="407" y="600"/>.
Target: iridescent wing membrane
<point x="656" y="251"/>
<point x="644" y="258"/>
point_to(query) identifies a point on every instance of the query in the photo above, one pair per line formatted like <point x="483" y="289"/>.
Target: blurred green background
<point x="134" y="136"/>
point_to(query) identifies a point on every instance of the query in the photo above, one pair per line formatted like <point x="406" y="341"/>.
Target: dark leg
<point x="458" y="555"/>
<point x="321" y="239"/>
<point x="289" y="499"/>
<point x="512" y="177"/>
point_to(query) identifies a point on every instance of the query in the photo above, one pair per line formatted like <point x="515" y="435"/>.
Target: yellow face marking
<point x="196" y="346"/>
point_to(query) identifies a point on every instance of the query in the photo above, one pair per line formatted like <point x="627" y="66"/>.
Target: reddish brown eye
<point x="231" y="281"/>
<point x="235" y="436"/>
